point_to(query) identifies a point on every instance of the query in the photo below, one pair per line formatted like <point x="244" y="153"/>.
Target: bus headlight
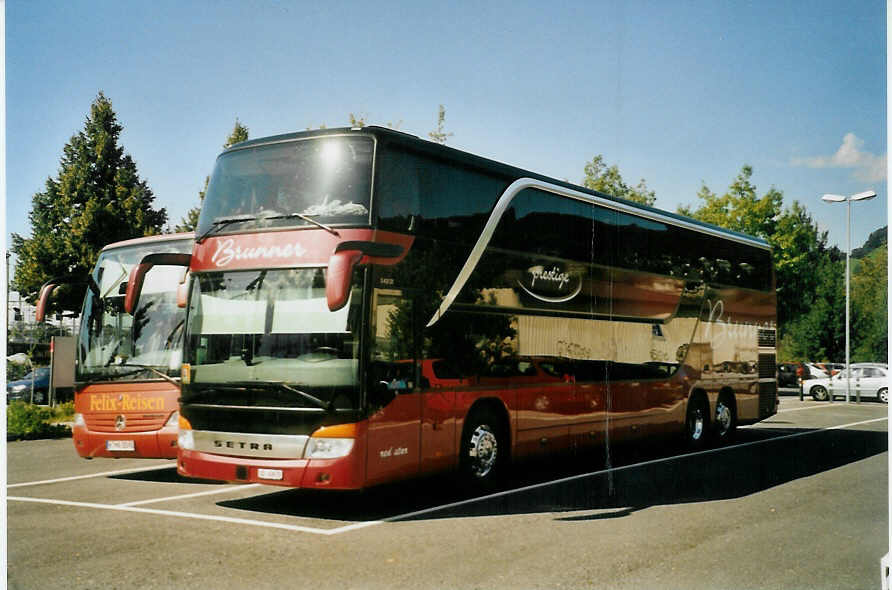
<point x="185" y="440"/>
<point x="173" y="420"/>
<point x="328" y="448"/>
<point x="79" y="420"/>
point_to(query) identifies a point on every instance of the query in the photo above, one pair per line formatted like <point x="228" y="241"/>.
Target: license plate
<point x="120" y="445"/>
<point x="274" y="474"/>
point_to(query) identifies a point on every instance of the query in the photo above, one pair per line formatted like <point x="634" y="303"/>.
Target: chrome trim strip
<point x="524" y="183"/>
<point x="238" y="444"/>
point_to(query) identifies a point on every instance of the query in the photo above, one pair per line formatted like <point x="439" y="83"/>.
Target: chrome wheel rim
<point x="884" y="395"/>
<point x="697" y="424"/>
<point x="723" y="418"/>
<point x="483" y="451"/>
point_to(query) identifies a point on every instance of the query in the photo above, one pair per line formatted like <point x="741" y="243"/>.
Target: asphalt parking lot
<point x="799" y="501"/>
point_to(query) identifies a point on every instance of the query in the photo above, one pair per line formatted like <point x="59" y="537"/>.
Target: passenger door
<point x="394" y="435"/>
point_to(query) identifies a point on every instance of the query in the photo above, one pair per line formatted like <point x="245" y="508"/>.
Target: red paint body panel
<point x="287" y="249"/>
<point x="145" y="407"/>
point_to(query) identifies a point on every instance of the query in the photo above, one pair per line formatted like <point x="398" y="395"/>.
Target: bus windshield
<point x="267" y="337"/>
<point x="263" y="186"/>
<point x="112" y="344"/>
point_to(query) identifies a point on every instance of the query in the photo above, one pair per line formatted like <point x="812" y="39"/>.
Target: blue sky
<point x="678" y="93"/>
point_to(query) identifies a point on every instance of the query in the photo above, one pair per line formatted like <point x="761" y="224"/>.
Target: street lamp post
<point x="848" y="201"/>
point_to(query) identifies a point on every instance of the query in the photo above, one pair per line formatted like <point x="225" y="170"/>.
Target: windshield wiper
<point x="221" y="222"/>
<point x="307" y="218"/>
<point x="139" y="369"/>
<point x="161" y="374"/>
<point x="273" y="385"/>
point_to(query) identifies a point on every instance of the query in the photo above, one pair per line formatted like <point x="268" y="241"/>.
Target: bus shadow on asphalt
<point x="163" y="475"/>
<point x="638" y="477"/>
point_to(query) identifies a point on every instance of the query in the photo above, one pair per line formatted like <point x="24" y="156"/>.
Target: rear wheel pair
<point x="701" y="429"/>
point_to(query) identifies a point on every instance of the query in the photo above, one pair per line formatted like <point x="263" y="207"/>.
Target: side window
<point x="397" y="191"/>
<point x="392" y="361"/>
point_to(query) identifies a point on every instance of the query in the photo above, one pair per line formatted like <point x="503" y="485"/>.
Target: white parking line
<point x="273" y="525"/>
<point x="361" y="525"/>
<point x="104" y="474"/>
<point x="194" y="495"/>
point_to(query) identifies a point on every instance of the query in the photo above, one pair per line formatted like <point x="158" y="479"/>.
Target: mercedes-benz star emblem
<point x="120" y="422"/>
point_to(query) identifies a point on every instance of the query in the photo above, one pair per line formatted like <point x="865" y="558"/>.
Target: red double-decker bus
<point x="128" y="366"/>
<point x="366" y="306"/>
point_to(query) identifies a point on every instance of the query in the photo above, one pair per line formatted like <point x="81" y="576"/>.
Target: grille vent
<point x="767" y="366"/>
<point x="767" y="338"/>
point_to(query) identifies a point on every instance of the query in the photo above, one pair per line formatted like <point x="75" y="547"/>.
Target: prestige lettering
<point x="551" y="276"/>
<point x="228" y="250"/>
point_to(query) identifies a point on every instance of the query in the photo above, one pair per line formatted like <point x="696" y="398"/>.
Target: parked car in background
<point x="813" y="371"/>
<point x="788" y="375"/>
<point x="831" y="368"/>
<point x="21" y="388"/>
<point x="869" y="380"/>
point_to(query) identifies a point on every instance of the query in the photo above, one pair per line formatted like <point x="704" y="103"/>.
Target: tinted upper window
<point x="447" y="200"/>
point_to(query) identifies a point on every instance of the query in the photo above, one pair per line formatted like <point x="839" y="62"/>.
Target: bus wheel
<point x="483" y="449"/>
<point x="725" y="420"/>
<point x="697" y="422"/>
<point x="820" y="393"/>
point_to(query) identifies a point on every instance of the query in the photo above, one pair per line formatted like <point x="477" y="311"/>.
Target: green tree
<point x="608" y="180"/>
<point x="869" y="292"/>
<point x="818" y="333"/>
<point x="96" y="198"/>
<point x="740" y="208"/>
<point x="440" y="135"/>
<point x="190" y="220"/>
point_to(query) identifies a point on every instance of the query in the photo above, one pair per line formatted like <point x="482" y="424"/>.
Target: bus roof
<point x="149" y="240"/>
<point x="445" y="152"/>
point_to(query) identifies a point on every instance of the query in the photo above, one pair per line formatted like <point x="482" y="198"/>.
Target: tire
<point x="484" y="449"/>
<point x="883" y="395"/>
<point x="724" y="419"/>
<point x="820" y="393"/>
<point x="697" y="422"/>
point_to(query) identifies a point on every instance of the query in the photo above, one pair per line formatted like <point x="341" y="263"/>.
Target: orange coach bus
<point x="128" y="366"/>
<point x="366" y="306"/>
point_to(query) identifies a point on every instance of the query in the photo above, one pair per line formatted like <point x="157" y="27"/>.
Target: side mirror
<point x="337" y="283"/>
<point x="346" y="256"/>
<point x="138" y="274"/>
<point x="45" y="291"/>
<point x="51" y="285"/>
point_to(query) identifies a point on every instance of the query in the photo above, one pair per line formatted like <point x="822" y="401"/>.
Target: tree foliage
<point x="875" y="240"/>
<point x="608" y="180"/>
<point x="96" y="198"/>
<point x="869" y="299"/>
<point x="190" y="221"/>
<point x="439" y="135"/>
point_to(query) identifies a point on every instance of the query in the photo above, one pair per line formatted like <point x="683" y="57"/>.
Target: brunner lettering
<point x="228" y="250"/>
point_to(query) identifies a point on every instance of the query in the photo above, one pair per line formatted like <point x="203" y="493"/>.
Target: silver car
<point x="869" y="380"/>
